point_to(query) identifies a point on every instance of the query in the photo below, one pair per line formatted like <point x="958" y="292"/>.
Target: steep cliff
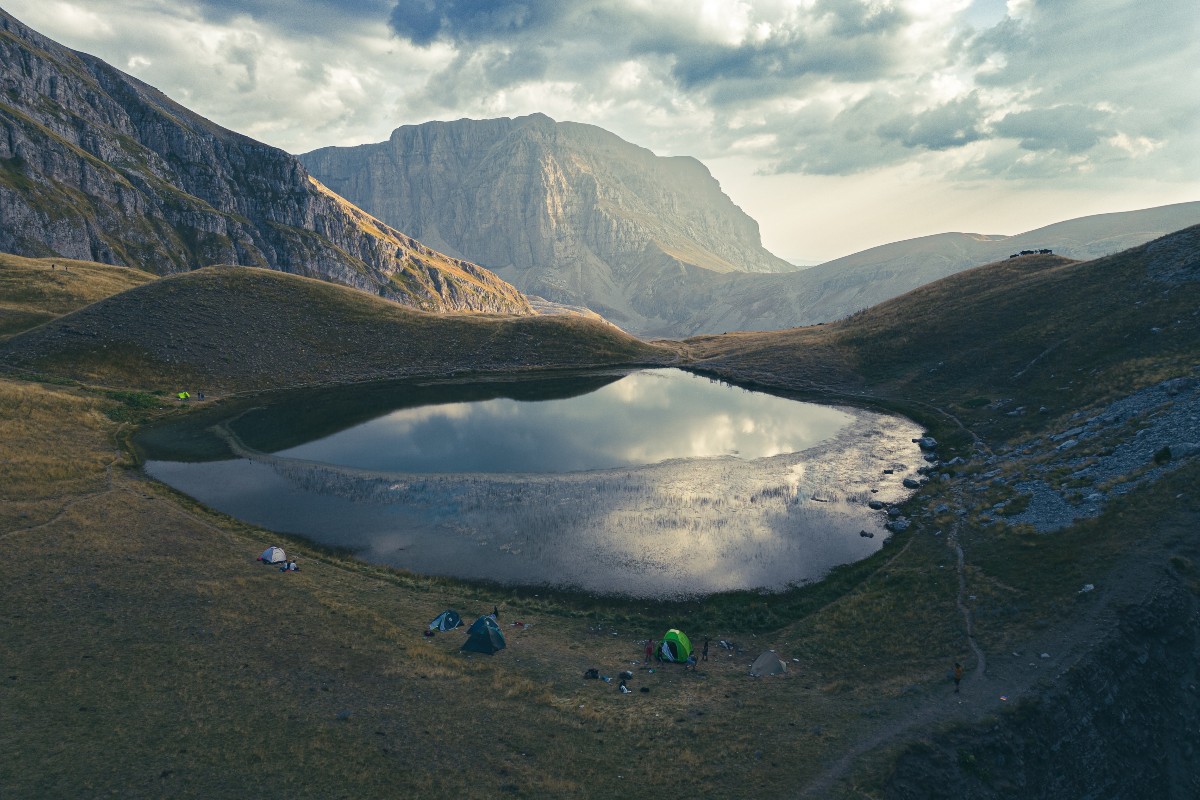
<point x="96" y="165"/>
<point x="566" y="211"/>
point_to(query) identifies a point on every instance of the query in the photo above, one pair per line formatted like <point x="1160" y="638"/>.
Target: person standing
<point x="958" y="673"/>
<point x="704" y="652"/>
<point x="649" y="650"/>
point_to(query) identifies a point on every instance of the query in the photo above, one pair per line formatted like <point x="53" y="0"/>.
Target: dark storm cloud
<point x="474" y="21"/>
<point x="779" y="60"/>
<point x="328" y="17"/>
<point x="1071" y="129"/>
<point x="954" y="124"/>
<point x="827" y="87"/>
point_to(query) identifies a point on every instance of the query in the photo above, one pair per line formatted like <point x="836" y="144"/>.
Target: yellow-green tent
<point x="674" y="646"/>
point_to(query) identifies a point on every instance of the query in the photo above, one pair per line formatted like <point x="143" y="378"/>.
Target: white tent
<point x="273" y="555"/>
<point x="767" y="664"/>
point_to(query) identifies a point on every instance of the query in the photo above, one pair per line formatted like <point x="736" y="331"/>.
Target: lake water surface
<point x="656" y="483"/>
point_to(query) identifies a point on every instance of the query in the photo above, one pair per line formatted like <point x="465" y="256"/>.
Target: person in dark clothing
<point x="495" y="613"/>
<point x="704" y="652"/>
<point x="958" y="672"/>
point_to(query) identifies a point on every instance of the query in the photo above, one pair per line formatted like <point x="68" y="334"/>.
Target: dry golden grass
<point x="53" y="443"/>
<point x="34" y="290"/>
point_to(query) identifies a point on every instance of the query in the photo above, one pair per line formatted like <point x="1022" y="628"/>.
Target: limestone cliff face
<point x="96" y="165"/>
<point x="566" y="211"/>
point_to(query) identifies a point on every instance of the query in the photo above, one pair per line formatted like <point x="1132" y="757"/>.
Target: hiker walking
<point x="704" y="652"/>
<point x="649" y="650"/>
<point x="957" y="675"/>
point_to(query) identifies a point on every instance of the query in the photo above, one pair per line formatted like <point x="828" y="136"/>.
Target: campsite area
<point x="146" y="652"/>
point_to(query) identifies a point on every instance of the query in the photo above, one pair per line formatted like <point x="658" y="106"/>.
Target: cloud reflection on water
<point x="644" y="418"/>
<point x="682" y="527"/>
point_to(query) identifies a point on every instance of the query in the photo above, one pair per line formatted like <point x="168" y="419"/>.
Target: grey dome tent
<point x="448" y="620"/>
<point x="273" y="555"/>
<point x="767" y="664"/>
<point x="484" y="636"/>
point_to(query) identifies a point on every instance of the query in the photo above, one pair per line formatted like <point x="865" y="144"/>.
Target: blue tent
<point x="448" y="620"/>
<point x="484" y="636"/>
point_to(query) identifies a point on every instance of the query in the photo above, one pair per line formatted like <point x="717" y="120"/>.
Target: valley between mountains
<point x="1049" y="545"/>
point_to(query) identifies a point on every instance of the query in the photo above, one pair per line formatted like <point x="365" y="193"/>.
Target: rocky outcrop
<point x="566" y="211"/>
<point x="96" y="165"/>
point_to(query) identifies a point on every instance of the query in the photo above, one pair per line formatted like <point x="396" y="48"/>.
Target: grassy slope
<point x="1034" y="332"/>
<point x="229" y="329"/>
<point x="241" y="679"/>
<point x="37" y="290"/>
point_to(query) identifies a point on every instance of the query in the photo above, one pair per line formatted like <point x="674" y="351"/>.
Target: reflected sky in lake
<point x="644" y="418"/>
<point x="660" y="484"/>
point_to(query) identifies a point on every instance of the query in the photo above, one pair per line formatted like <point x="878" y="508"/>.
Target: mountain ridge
<point x="833" y="290"/>
<point x="526" y="197"/>
<point x="97" y="165"/>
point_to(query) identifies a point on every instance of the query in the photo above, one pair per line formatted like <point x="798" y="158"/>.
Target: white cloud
<point x="1096" y="93"/>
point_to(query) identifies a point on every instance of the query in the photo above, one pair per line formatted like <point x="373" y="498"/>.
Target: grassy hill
<point x="1041" y="333"/>
<point x="37" y="290"/>
<point x="231" y="329"/>
<point x="146" y="654"/>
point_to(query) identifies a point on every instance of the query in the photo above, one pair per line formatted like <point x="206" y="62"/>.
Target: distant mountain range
<point x="576" y="215"/>
<point x="565" y="211"/>
<point x="841" y="287"/>
<point x="97" y="165"/>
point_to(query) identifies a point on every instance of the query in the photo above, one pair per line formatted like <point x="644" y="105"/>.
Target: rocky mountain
<point x="566" y="211"/>
<point x="97" y="165"/>
<point x="576" y="215"/>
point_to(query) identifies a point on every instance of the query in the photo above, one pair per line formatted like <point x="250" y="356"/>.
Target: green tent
<point x="674" y="646"/>
<point x="484" y="636"/>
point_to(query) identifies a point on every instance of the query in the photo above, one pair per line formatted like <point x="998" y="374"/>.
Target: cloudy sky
<point x="837" y="124"/>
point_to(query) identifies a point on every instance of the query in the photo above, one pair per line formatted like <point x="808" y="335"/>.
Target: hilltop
<point x="229" y="329"/>
<point x="33" y="291"/>
<point x="1037" y="332"/>
<point x="841" y="287"/>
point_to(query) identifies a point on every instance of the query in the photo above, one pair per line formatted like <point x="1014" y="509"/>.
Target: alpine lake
<point x="653" y="483"/>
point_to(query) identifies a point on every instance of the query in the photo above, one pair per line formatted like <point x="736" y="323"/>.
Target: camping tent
<point x="674" y="646"/>
<point x="273" y="555"/>
<point x="768" y="664"/>
<point x="484" y="636"/>
<point x="448" y="620"/>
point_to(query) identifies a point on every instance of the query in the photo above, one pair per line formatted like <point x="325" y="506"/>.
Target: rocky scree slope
<point x="566" y="211"/>
<point x="96" y="165"/>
